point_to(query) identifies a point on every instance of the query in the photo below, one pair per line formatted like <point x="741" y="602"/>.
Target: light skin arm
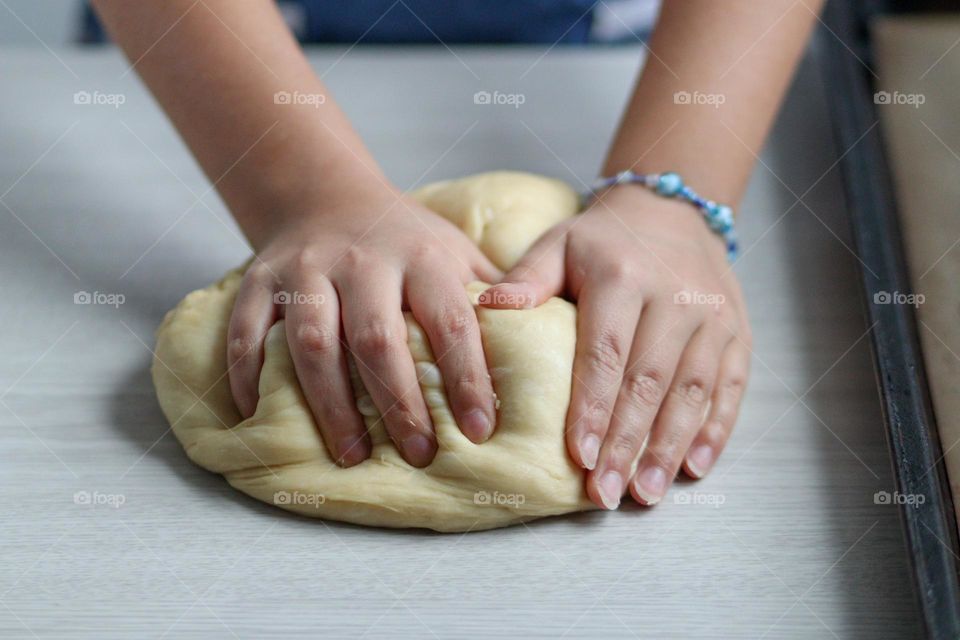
<point x="663" y="344"/>
<point x="328" y="228"/>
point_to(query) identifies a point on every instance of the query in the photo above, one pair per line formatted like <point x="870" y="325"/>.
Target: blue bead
<point x="721" y="218"/>
<point x="669" y="184"/>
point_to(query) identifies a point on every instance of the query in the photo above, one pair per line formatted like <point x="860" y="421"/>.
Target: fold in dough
<point x="277" y="455"/>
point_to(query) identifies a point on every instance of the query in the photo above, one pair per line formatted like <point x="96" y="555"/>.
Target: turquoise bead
<point x="669" y="184"/>
<point x="721" y="218"/>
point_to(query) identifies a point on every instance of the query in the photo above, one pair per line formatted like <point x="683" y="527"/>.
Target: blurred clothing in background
<point x="456" y="21"/>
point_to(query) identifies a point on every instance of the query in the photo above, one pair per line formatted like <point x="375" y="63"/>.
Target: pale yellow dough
<point x="277" y="455"/>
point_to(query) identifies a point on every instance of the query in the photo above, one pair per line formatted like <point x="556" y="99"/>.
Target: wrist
<point x="296" y="199"/>
<point x="674" y="221"/>
<point x="640" y="204"/>
<point x="719" y="218"/>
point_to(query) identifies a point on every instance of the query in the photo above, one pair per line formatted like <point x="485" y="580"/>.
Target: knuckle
<point x="467" y="387"/>
<point x="425" y="252"/>
<point x="375" y="339"/>
<point x="714" y="432"/>
<point x="669" y="445"/>
<point x="240" y="347"/>
<point x="619" y="272"/>
<point x="597" y="413"/>
<point x="307" y="259"/>
<point x="354" y="258"/>
<point x="733" y="387"/>
<point x="259" y="273"/>
<point x="315" y="339"/>
<point x="605" y="357"/>
<point x="591" y="416"/>
<point x="691" y="391"/>
<point x="645" y="388"/>
<point x="723" y="417"/>
<point x="624" y="446"/>
<point x="453" y="326"/>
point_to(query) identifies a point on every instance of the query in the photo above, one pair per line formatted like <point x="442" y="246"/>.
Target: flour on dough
<point x="277" y="455"/>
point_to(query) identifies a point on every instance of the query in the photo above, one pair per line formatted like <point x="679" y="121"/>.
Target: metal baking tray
<point x="930" y="528"/>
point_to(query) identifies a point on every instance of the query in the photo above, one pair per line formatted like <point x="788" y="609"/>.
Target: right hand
<point x="348" y="271"/>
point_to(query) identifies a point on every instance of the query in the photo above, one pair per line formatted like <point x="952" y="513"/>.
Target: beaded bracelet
<point x="670" y="185"/>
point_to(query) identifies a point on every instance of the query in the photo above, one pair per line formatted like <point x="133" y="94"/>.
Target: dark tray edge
<point x="930" y="529"/>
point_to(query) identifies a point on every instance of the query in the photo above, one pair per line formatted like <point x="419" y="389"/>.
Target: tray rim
<point x="930" y="529"/>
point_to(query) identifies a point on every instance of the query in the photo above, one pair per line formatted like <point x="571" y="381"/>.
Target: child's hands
<point x="662" y="338"/>
<point x="346" y="273"/>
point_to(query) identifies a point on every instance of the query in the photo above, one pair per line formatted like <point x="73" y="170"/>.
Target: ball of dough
<point x="522" y="472"/>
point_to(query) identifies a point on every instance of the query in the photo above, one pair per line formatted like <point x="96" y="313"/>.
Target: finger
<point x="606" y="323"/>
<point x="679" y="418"/>
<point x="377" y="337"/>
<point x="483" y="268"/>
<point x="724" y="407"/>
<point x="254" y="312"/>
<point x="474" y="265"/>
<point x="661" y="337"/>
<point x="535" y="278"/>
<point x="442" y="307"/>
<point x="313" y="333"/>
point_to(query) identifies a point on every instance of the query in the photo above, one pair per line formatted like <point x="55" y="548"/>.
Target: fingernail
<point x="650" y="485"/>
<point x="419" y="449"/>
<point x="476" y="425"/>
<point x="589" y="450"/>
<point x="700" y="460"/>
<point x="611" y="489"/>
<point x="486" y="296"/>
<point x="352" y="450"/>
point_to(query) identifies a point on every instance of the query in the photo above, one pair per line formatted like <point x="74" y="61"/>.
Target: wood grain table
<point x="108" y="531"/>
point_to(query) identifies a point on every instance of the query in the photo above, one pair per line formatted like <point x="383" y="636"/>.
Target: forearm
<point x="215" y="68"/>
<point x="734" y="59"/>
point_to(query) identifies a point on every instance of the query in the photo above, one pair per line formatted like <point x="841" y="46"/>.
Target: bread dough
<point x="277" y="455"/>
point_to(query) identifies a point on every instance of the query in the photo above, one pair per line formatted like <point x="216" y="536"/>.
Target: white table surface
<point x="102" y="199"/>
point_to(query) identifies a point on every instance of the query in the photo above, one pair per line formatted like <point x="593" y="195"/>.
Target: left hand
<point x="663" y="341"/>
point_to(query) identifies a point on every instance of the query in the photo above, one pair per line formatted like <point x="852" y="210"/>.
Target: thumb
<point x="535" y="278"/>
